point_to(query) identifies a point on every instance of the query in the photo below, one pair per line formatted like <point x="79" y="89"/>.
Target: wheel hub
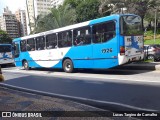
<point x="68" y="66"/>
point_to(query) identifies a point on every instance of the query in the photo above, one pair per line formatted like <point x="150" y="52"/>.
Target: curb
<point x="103" y="105"/>
<point x="142" y="66"/>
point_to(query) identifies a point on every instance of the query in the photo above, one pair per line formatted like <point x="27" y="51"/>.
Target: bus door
<point x="16" y="53"/>
<point x="105" y="45"/>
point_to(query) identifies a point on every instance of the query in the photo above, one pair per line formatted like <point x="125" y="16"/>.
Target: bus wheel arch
<point x="68" y="65"/>
<point x="25" y="64"/>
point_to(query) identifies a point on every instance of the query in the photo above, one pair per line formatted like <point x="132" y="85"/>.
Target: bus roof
<point x="70" y="27"/>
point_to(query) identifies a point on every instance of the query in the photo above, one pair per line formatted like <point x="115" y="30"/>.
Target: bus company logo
<point x="139" y="39"/>
<point x="5" y="55"/>
<point x="128" y="39"/>
<point x="6" y="114"/>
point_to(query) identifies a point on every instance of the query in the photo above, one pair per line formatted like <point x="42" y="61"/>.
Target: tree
<point x="63" y="16"/>
<point x="142" y="7"/>
<point x="87" y="10"/>
<point x="150" y="16"/>
<point x="39" y="24"/>
<point x="112" y="6"/>
<point x="139" y="7"/>
<point x="4" y="37"/>
<point x="58" y="17"/>
<point x="72" y="3"/>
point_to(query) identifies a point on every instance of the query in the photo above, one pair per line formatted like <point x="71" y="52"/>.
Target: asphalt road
<point x="112" y="94"/>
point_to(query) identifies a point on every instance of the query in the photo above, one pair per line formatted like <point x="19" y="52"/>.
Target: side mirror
<point x="14" y="47"/>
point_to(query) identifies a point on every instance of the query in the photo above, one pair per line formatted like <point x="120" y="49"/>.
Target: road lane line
<point x="93" y="76"/>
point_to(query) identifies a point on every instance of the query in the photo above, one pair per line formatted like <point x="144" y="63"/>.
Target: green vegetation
<point x="148" y="42"/>
<point x="149" y="38"/>
<point x="4" y="37"/>
<point x="75" y="11"/>
<point x="148" y="61"/>
<point x="58" y="17"/>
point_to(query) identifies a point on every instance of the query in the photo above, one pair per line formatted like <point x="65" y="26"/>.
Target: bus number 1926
<point x="107" y="50"/>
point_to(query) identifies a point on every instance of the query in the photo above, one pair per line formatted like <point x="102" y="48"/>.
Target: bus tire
<point x="26" y="65"/>
<point x="150" y="57"/>
<point x="68" y="66"/>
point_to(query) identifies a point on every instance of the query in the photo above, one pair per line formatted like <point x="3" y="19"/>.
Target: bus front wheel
<point x="26" y="65"/>
<point x="68" y="66"/>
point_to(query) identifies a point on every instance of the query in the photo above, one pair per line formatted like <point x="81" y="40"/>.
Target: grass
<point x="148" y="61"/>
<point x="151" y="41"/>
<point x="149" y="38"/>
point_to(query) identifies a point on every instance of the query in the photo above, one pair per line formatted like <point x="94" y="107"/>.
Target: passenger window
<point x="103" y="32"/>
<point x="23" y="45"/>
<point x="65" y="39"/>
<point x="30" y="44"/>
<point x="40" y="43"/>
<point x="51" y="41"/>
<point x="82" y="36"/>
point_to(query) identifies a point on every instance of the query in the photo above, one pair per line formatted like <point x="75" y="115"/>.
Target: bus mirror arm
<point x="14" y="48"/>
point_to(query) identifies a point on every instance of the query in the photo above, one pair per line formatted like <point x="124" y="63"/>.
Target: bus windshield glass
<point x="131" y="25"/>
<point x="5" y="48"/>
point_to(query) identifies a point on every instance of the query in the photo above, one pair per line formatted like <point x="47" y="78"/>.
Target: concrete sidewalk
<point x="142" y="66"/>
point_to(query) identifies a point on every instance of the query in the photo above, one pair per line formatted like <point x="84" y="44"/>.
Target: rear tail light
<point x="122" y="50"/>
<point x="154" y="49"/>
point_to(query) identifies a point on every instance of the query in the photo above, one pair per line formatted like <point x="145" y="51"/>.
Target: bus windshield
<point x="6" y="56"/>
<point x="131" y="25"/>
<point x="5" y="48"/>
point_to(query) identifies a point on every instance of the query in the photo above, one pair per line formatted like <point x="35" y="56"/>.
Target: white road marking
<point x="136" y="78"/>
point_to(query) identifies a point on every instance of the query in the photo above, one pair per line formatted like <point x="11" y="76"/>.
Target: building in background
<point x="56" y="3"/>
<point x="0" y="21"/>
<point x="35" y="8"/>
<point x="9" y="23"/>
<point x="22" y="24"/>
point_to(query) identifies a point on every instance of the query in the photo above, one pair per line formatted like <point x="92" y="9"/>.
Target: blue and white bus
<point x="98" y="44"/>
<point x="6" y="55"/>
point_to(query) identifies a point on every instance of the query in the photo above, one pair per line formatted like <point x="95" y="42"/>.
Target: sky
<point x="13" y="5"/>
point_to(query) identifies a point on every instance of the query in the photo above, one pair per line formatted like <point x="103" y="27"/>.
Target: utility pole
<point x="28" y="15"/>
<point x="155" y="25"/>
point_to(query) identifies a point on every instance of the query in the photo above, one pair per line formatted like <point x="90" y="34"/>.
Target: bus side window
<point x="88" y="36"/>
<point x="65" y="39"/>
<point x="51" y="41"/>
<point x="60" y="40"/>
<point x="82" y="36"/>
<point x="40" y="43"/>
<point x="30" y="44"/>
<point x="103" y="32"/>
<point x="68" y="39"/>
<point x="23" y="45"/>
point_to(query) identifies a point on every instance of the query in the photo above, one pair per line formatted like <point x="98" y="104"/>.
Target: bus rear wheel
<point x="26" y="65"/>
<point x="68" y="66"/>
